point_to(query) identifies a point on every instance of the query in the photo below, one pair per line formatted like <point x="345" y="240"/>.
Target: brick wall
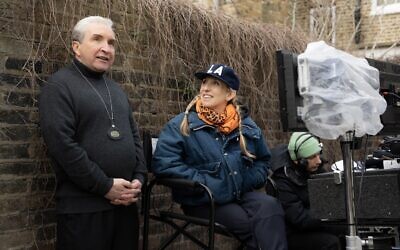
<point x="26" y="180"/>
<point x="378" y="30"/>
<point x="375" y="30"/>
<point x="30" y="49"/>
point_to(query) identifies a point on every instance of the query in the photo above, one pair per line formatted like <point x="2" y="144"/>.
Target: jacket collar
<point x="296" y="175"/>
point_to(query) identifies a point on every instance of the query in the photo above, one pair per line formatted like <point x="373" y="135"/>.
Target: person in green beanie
<point x="292" y="165"/>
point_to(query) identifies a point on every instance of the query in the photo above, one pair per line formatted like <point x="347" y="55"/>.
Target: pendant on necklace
<point x="114" y="133"/>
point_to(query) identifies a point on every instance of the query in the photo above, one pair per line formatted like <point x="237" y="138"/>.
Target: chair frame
<point x="169" y="217"/>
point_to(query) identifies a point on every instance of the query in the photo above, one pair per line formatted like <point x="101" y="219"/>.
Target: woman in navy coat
<point x="216" y="143"/>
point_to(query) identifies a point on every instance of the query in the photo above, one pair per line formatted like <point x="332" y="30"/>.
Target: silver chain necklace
<point x="113" y="132"/>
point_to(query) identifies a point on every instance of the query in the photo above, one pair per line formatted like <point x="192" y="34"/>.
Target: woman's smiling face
<point x="215" y="94"/>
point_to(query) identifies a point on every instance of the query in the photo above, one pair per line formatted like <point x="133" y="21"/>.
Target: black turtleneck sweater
<point x="74" y="124"/>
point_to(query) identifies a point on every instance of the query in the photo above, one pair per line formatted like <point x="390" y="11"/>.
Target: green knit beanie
<point x="305" y="144"/>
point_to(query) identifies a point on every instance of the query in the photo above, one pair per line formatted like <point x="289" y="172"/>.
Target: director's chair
<point x="177" y="219"/>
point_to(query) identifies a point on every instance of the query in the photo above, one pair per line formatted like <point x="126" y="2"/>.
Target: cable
<point x="354" y="179"/>
<point x="390" y="93"/>
<point x="363" y="170"/>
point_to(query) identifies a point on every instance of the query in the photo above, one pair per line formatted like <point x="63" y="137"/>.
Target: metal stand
<point x="353" y="242"/>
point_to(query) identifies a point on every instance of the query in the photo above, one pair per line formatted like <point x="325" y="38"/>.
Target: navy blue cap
<point x="222" y="72"/>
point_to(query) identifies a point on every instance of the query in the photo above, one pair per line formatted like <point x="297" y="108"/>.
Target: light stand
<point x="353" y="242"/>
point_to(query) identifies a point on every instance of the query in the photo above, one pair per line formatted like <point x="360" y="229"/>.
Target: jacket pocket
<point x="209" y="168"/>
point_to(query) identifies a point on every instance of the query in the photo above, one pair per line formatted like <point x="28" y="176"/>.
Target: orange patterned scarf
<point x="226" y="122"/>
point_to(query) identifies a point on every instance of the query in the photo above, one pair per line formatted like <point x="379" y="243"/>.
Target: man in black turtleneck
<point x="292" y="165"/>
<point x="88" y="127"/>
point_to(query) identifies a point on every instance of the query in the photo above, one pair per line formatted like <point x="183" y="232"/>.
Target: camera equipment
<point x="391" y="145"/>
<point x="291" y="103"/>
<point x="291" y="111"/>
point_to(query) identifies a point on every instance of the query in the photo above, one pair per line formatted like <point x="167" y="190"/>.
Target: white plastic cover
<point x="340" y="92"/>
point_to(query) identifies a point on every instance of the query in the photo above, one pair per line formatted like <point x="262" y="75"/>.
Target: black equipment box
<point x="376" y="196"/>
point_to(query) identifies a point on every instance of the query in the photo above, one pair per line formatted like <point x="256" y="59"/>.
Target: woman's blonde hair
<point x="242" y="141"/>
<point x="185" y="123"/>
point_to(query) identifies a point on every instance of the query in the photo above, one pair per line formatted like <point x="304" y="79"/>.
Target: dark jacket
<point x="291" y="182"/>
<point x="211" y="158"/>
<point x="74" y="124"/>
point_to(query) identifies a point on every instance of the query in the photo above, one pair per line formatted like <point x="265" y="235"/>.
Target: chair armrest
<point x="179" y="183"/>
<point x="184" y="184"/>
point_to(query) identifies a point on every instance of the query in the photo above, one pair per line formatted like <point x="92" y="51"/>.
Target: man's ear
<point x="75" y="47"/>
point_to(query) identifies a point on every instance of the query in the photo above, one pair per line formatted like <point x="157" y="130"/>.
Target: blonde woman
<point x="216" y="143"/>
